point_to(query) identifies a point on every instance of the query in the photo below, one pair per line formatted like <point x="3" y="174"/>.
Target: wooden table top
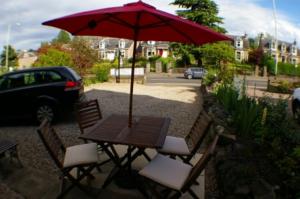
<point x="146" y="131"/>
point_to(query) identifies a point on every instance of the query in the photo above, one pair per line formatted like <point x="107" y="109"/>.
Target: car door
<point x="4" y="96"/>
<point x="13" y="95"/>
<point x="197" y="73"/>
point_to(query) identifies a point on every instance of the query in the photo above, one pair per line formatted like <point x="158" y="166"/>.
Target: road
<point x="170" y="80"/>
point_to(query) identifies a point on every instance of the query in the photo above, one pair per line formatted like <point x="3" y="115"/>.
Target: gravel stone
<point x="181" y="104"/>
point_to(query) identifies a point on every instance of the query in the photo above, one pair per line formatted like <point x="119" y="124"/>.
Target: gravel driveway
<point x="181" y="104"/>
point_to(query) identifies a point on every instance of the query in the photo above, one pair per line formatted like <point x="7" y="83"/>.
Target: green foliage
<point x="210" y="77"/>
<point x="101" y="70"/>
<point x="278" y="135"/>
<point x="62" y="37"/>
<point x="89" y="80"/>
<point x="139" y="62"/>
<point x="281" y="87"/>
<point x="3" y="70"/>
<point x="54" y="57"/>
<point x="288" y="69"/>
<point x="244" y="110"/>
<point x="218" y="52"/>
<point x="12" y="56"/>
<point x="165" y="61"/>
<point x="201" y="11"/>
<point x="243" y="69"/>
<point x="83" y="56"/>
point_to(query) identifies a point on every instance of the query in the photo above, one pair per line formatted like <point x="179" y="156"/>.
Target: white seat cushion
<point x="166" y="171"/>
<point x="81" y="154"/>
<point x="174" y="145"/>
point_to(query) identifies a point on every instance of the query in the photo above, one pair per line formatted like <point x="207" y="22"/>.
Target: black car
<point x="39" y="92"/>
<point x="194" y="72"/>
<point x="296" y="104"/>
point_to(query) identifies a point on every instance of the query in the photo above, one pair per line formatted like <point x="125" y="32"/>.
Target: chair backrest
<point x="52" y="142"/>
<point x="200" y="165"/>
<point x="198" y="131"/>
<point x="88" y="114"/>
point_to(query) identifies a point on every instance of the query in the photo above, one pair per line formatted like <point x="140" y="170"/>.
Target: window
<point x="273" y="45"/>
<point x="238" y="55"/>
<point x="17" y="80"/>
<point x="238" y="44"/>
<point x="3" y="83"/>
<point x="293" y="61"/>
<point x="41" y="77"/>
<point x="293" y="49"/>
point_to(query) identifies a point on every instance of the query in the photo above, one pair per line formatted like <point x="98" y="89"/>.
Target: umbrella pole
<point x="131" y="85"/>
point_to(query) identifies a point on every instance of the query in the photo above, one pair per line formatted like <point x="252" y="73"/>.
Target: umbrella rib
<point x="174" y="28"/>
<point x="154" y="25"/>
<point x="120" y="21"/>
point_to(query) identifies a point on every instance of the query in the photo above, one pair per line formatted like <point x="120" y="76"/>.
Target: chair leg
<point x="176" y="195"/>
<point x="192" y="193"/>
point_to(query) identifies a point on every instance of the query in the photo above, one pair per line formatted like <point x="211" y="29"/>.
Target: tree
<point x="63" y="37"/>
<point x="217" y="53"/>
<point x="83" y="55"/>
<point x="12" y="56"/>
<point x="203" y="12"/>
<point x="54" y="57"/>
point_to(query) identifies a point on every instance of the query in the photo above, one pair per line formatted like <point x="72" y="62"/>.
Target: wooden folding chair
<point x="175" y="176"/>
<point x="82" y="157"/>
<point x="186" y="148"/>
<point x="88" y="115"/>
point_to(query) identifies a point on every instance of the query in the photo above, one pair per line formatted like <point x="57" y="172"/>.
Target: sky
<point x="240" y="16"/>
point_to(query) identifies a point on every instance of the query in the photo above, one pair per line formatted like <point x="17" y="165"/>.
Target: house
<point x="154" y="48"/>
<point x="26" y="58"/>
<point x="241" y="47"/>
<point x="108" y="48"/>
<point x="286" y="52"/>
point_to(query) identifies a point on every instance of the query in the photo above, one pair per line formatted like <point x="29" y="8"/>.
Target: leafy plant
<point x="101" y="70"/>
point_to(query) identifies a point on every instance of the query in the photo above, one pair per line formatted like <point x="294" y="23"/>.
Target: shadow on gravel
<point x="38" y="167"/>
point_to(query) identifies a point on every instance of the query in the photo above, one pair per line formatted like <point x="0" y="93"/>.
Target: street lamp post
<point x="276" y="29"/>
<point x="7" y="45"/>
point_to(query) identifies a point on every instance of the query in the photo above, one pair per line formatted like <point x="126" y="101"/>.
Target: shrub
<point x="165" y="62"/>
<point x="288" y="69"/>
<point x="210" y="77"/>
<point x="101" y="70"/>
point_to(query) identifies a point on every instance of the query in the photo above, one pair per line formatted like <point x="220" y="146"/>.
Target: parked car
<point x="296" y="104"/>
<point x="194" y="72"/>
<point x="39" y="92"/>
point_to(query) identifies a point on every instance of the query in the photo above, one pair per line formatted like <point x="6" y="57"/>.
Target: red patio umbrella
<point x="139" y="22"/>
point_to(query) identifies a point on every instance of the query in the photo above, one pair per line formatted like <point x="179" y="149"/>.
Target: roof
<point x="36" y="68"/>
<point x="113" y="43"/>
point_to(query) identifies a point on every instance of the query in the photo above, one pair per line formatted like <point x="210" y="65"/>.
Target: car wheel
<point x="45" y="111"/>
<point x="189" y="76"/>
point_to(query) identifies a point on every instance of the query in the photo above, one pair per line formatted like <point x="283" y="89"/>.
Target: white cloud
<point x="239" y="17"/>
<point x="246" y="16"/>
<point x="31" y="13"/>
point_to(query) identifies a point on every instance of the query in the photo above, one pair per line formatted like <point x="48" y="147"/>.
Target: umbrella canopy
<point x="139" y="22"/>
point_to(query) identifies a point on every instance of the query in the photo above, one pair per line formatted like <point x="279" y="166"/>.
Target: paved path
<point x="171" y="80"/>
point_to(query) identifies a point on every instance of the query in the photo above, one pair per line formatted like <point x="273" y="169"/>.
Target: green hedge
<point x="288" y="69"/>
<point x="101" y="70"/>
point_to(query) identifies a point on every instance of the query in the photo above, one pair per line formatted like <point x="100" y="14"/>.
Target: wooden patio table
<point x="146" y="132"/>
